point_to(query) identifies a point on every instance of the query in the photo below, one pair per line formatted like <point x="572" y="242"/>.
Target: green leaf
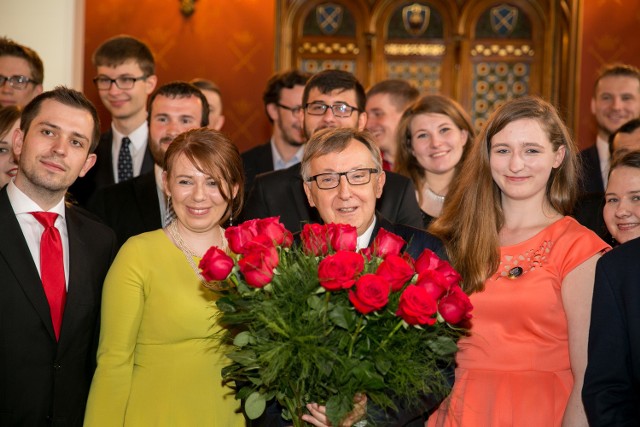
<point x="343" y="317"/>
<point x="255" y="405"/>
<point x="244" y="357"/>
<point x="338" y="407"/>
<point x="225" y="305"/>
<point x="383" y="365"/>
<point x="443" y="346"/>
<point x="242" y="339"/>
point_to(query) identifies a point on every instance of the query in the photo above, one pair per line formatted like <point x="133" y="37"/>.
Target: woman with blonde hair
<point x="434" y="137"/>
<point x="529" y="269"/>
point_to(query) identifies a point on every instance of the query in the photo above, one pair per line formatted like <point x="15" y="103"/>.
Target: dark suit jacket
<point x="101" y="174"/>
<point x="130" y="207"/>
<point x="611" y="391"/>
<point x="255" y="161"/>
<point x="592" y="177"/>
<point x="281" y="193"/>
<point x="44" y="382"/>
<point x="588" y="212"/>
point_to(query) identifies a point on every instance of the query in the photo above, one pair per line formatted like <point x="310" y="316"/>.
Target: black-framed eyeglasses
<point x="341" y="109"/>
<point x="294" y="110"/>
<point x="329" y="180"/>
<point x="16" y="82"/>
<point x="122" y="82"/>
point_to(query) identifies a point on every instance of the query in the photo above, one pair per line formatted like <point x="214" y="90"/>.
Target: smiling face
<point x="287" y="125"/>
<point x="169" y="117"/>
<point x="521" y="160"/>
<point x="126" y="104"/>
<point x="383" y="118"/>
<point x="622" y="204"/>
<point x="196" y="196"/>
<point x="346" y="204"/>
<point x="436" y="142"/>
<point x="8" y="165"/>
<point x="312" y="123"/>
<point x="55" y="150"/>
<point x="616" y="101"/>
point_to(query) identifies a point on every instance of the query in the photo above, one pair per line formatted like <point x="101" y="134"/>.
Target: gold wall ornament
<point x="423" y="49"/>
<point x="187" y="7"/>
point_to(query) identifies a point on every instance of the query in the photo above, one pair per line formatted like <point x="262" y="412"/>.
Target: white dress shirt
<point x="279" y="163"/>
<point x="605" y="159"/>
<point x="364" y="240"/>
<point x="32" y="230"/>
<point x="137" y="148"/>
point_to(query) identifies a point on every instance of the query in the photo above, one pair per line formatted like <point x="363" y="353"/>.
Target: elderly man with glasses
<point x="21" y="73"/>
<point x="331" y="99"/>
<point x="125" y="77"/>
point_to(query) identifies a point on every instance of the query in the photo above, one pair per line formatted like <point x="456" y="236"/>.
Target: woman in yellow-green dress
<point x="158" y="360"/>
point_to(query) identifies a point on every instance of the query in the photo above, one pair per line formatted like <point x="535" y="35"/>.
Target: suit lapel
<point x="147" y="162"/>
<point x="105" y="170"/>
<point x="14" y="250"/>
<point x="146" y="196"/>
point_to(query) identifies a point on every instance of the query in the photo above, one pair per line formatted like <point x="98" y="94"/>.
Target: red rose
<point x="433" y="282"/>
<point x="339" y="271"/>
<point x="396" y="271"/>
<point x="256" y="269"/>
<point x="455" y="306"/>
<point x="430" y="261"/>
<point x="367" y="253"/>
<point x="416" y="307"/>
<point x="387" y="243"/>
<point x="273" y="229"/>
<point x="343" y="237"/>
<point x="263" y="245"/>
<point x="372" y="293"/>
<point x="314" y="239"/>
<point x="240" y="235"/>
<point x="215" y="264"/>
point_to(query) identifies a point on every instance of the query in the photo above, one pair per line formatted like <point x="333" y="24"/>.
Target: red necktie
<point x="52" y="267"/>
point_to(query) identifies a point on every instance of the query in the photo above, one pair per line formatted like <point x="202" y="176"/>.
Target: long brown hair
<point x="406" y="163"/>
<point x="472" y="215"/>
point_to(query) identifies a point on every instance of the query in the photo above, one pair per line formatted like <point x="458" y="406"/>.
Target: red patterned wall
<point x="609" y="34"/>
<point x="234" y="46"/>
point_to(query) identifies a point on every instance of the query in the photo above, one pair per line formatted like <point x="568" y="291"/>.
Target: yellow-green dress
<point x="158" y="364"/>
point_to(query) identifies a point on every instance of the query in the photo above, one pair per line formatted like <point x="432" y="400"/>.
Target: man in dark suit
<point x="125" y="76"/>
<point x="283" y="104"/>
<point x="331" y="99"/>
<point x="53" y="260"/>
<point x="139" y="205"/>
<point x="616" y="100"/>
<point x="611" y="392"/>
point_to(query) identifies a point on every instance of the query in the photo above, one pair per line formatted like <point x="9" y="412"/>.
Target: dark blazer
<point x="255" y="161"/>
<point x="588" y="212"/>
<point x="591" y="175"/>
<point x="130" y="207"/>
<point x="101" y="174"/>
<point x="417" y="239"/>
<point x="44" y="382"/>
<point x="611" y="392"/>
<point x="281" y="193"/>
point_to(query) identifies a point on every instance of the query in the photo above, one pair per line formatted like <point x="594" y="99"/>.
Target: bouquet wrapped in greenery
<point x="320" y="322"/>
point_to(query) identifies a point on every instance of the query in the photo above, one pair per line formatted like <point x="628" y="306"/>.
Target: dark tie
<point x="52" y="267"/>
<point x="125" y="163"/>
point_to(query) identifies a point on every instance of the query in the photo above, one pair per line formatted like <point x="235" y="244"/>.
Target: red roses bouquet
<point x="320" y="322"/>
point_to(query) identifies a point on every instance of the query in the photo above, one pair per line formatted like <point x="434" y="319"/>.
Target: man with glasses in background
<point x="125" y="77"/>
<point x="21" y="73"/>
<point x="331" y="99"/>
<point x="283" y="104"/>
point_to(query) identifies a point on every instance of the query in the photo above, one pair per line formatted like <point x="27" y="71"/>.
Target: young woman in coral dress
<point x="529" y="269"/>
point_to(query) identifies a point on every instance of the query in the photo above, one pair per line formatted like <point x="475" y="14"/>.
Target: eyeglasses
<point x="16" y="82"/>
<point x="122" y="82"/>
<point x="327" y="181"/>
<point x="339" y="110"/>
<point x="294" y="110"/>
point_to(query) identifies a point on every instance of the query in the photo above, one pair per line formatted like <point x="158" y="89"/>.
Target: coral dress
<point x="158" y="364"/>
<point x="514" y="369"/>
